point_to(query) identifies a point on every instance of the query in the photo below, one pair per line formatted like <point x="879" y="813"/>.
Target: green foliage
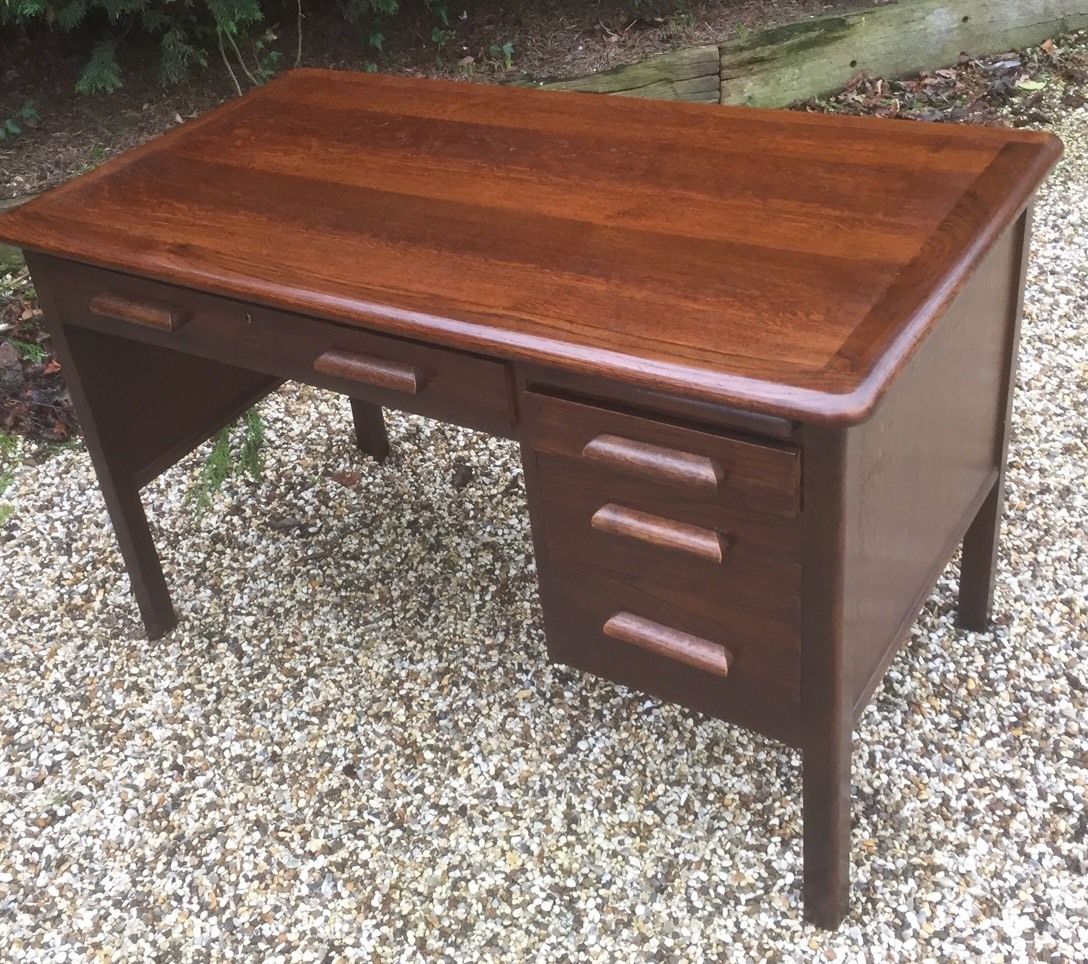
<point x="187" y="30"/>
<point x="9" y="448"/>
<point x="681" y="18"/>
<point x="504" y="54"/>
<point x="11" y="127"/>
<point x="236" y="450"/>
<point x="193" y="34"/>
<point x="102" y="74"/>
<point x="32" y="353"/>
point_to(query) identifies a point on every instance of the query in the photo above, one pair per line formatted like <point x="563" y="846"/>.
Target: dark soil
<point x="33" y="399"/>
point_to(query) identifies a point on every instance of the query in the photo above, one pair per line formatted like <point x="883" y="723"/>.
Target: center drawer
<point x="395" y="372"/>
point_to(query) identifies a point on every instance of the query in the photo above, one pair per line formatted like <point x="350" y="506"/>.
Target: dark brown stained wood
<point x="142" y="312"/>
<point x="376" y="372"/>
<point x="762" y="690"/>
<point x="826" y="720"/>
<point x="780" y="263"/>
<point x="755" y="591"/>
<point x="643" y="401"/>
<point x="655" y="531"/>
<point x="370" y="434"/>
<point x="978" y="564"/>
<point x="670" y="643"/>
<point x="654" y="462"/>
<point x="760" y="476"/>
<point x="919" y="470"/>
<point x="758" y="541"/>
<point x="451" y="385"/>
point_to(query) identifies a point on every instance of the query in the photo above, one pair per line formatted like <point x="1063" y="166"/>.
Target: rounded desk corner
<point x="1053" y="144"/>
<point x="853" y="407"/>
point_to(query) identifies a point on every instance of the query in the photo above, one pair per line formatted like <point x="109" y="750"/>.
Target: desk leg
<point x="142" y="406"/>
<point x="826" y="770"/>
<point x="137" y="548"/>
<point x="978" y="564"/>
<point x="370" y="433"/>
<point x="827" y="714"/>
<point x="93" y="389"/>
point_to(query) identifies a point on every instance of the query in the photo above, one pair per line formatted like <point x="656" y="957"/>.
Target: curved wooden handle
<point x="379" y="372"/>
<point x="153" y="314"/>
<point x="657" y="531"/>
<point x="655" y="462"/>
<point x="671" y="643"/>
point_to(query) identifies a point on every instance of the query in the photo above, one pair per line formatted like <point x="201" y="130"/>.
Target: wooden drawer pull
<point x="667" y="533"/>
<point x="379" y="372"/>
<point x="671" y="643"/>
<point x="655" y="463"/>
<point x="153" y="314"/>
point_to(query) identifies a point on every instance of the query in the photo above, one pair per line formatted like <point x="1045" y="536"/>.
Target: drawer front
<point x="739" y="568"/>
<point x="394" y="372"/>
<point x="700" y="468"/>
<point x="670" y="565"/>
<point x="662" y="641"/>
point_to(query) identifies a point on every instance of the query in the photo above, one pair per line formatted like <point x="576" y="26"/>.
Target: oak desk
<point x="759" y="363"/>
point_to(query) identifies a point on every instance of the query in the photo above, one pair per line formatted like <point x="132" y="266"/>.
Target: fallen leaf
<point x="347" y="479"/>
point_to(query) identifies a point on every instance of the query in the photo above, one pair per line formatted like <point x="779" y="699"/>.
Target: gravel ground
<point x="352" y="748"/>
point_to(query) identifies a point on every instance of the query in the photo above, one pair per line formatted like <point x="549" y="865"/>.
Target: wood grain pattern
<point x="670" y="643"/>
<point x="918" y="471"/>
<point x="812" y="57"/>
<point x="760" y="259"/>
<point x="755" y="590"/>
<point x="151" y="313"/>
<point x="655" y="462"/>
<point x="376" y="372"/>
<point x="655" y="531"/>
<point x="760" y="476"/>
<point x="451" y="385"/>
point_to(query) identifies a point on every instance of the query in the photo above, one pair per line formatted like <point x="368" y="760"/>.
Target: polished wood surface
<point x="367" y="370"/>
<point x="451" y="385"/>
<point x="655" y="462"/>
<point x="657" y="531"/>
<point x="151" y="313"/>
<point x="704" y="467"/>
<point x="777" y="261"/>
<point x="670" y="643"/>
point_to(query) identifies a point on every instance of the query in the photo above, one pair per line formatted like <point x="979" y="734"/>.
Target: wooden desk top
<point x="776" y="261"/>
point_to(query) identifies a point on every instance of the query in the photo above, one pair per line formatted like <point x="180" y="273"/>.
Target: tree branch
<point x="226" y="62"/>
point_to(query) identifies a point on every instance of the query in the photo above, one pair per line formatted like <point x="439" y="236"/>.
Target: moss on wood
<point x="783" y="65"/>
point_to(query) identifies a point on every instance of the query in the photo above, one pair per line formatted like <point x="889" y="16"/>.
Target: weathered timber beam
<point x="783" y="65"/>
<point x="689" y="74"/>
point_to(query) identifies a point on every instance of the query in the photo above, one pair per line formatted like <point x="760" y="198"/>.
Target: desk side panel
<point x="917" y="472"/>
